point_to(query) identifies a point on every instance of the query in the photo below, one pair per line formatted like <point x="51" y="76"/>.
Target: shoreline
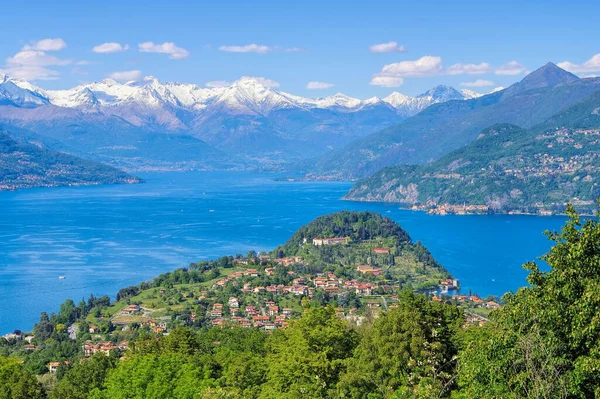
<point x="433" y="211"/>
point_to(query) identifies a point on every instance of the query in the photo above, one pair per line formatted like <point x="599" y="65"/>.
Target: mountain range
<point x="446" y="126"/>
<point x="505" y="169"/>
<point x="153" y="125"/>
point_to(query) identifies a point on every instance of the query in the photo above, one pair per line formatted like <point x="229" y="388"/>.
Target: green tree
<point x="68" y="312"/>
<point x="17" y="383"/>
<point x="545" y="341"/>
<point x="409" y="349"/>
<point x="43" y="330"/>
<point x="306" y="359"/>
<point x="156" y="377"/>
<point x="84" y="377"/>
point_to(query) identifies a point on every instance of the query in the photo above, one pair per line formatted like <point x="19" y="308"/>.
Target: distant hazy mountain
<point x="446" y="126"/>
<point x="246" y="122"/>
<point x="506" y="168"/>
<point x="24" y="165"/>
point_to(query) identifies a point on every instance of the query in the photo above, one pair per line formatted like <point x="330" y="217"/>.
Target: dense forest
<point x="543" y="343"/>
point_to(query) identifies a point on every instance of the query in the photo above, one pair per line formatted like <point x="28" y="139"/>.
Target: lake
<point x="104" y="238"/>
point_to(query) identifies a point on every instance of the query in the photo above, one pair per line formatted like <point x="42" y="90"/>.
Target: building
<point x="369" y="270"/>
<point x="54" y="366"/>
<point x="233" y="302"/>
<point x="381" y="250"/>
<point x="131" y="309"/>
<point x="330" y="241"/>
<point x="104" y="347"/>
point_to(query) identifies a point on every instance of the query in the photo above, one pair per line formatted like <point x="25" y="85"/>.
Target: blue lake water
<point x="108" y="237"/>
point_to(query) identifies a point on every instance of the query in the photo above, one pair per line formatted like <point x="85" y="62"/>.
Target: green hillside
<point x="24" y="165"/>
<point x="506" y="169"/>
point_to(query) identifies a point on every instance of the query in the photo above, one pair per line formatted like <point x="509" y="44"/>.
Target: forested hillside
<point x="26" y="165"/>
<point x="543" y="343"/>
<point x="506" y="169"/>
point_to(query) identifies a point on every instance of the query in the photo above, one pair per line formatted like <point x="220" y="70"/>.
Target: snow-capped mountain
<point x="468" y="94"/>
<point x="409" y="106"/>
<point x="244" y="115"/>
<point x="245" y="96"/>
<point x="15" y="92"/>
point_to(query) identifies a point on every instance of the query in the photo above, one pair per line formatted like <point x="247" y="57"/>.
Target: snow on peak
<point x="251" y="96"/>
<point x="339" y="100"/>
<point x="397" y="99"/>
<point x="21" y="92"/>
<point x="468" y="94"/>
<point x="77" y="97"/>
<point x="443" y="93"/>
<point x="372" y="100"/>
<point x="247" y="95"/>
<point x="109" y="82"/>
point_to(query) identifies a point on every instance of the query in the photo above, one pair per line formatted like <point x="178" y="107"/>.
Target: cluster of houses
<point x="269" y="317"/>
<point x="449" y="285"/>
<point x="470" y="300"/>
<point x="304" y="286"/>
<point x="449" y="209"/>
<point x="90" y="348"/>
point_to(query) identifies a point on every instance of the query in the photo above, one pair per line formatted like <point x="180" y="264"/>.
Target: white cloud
<point x="175" y="53"/>
<point x="218" y="83"/>
<point x="511" y="68"/>
<point x="389" y="47"/>
<point x="110" y="47"/>
<point x="392" y="75"/>
<point x="35" y="58"/>
<point x="126" y="76"/>
<point x="387" y="81"/>
<point x="47" y="45"/>
<point x="424" y="66"/>
<point x="469" y="69"/>
<point x="33" y="63"/>
<point x="263" y="81"/>
<point x="591" y="65"/>
<point x="478" y="83"/>
<point x="248" y="48"/>
<point x="318" y="85"/>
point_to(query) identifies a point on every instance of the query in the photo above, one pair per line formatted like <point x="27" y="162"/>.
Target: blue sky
<point x="329" y="43"/>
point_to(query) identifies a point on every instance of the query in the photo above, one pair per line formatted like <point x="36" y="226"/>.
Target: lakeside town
<point x="258" y="291"/>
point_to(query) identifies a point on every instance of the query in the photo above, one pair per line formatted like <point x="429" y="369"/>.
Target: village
<point x="251" y="295"/>
<point x="551" y="159"/>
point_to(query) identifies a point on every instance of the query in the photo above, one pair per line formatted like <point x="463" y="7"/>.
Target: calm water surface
<point x="108" y="237"/>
